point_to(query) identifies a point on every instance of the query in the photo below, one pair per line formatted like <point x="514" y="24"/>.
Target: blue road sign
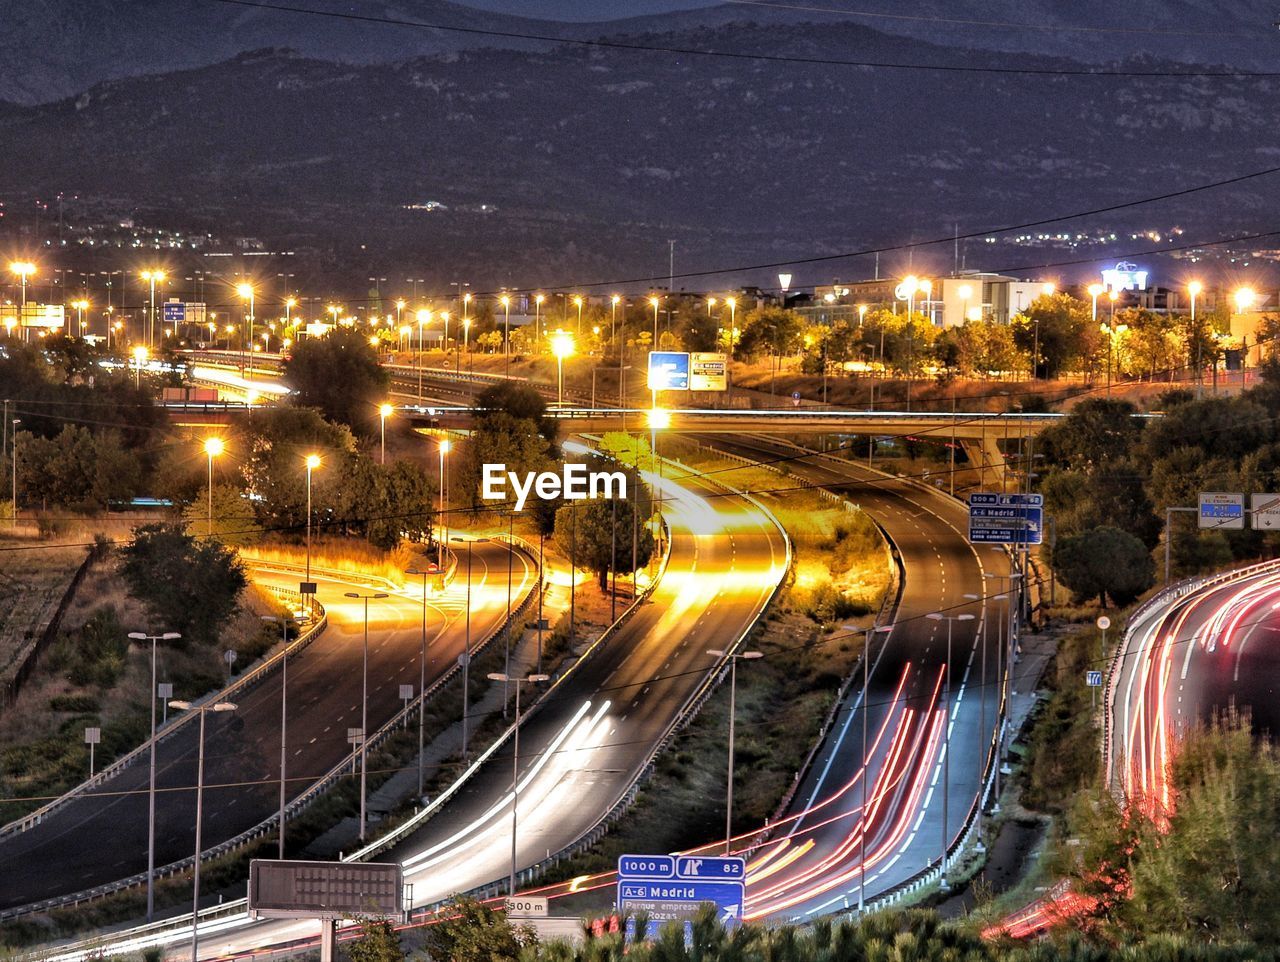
<point x="672" y="887"/>
<point x="175" y="312"/>
<point x="668" y="371"/>
<point x="1006" y="518"/>
<point x="1093" y="679"/>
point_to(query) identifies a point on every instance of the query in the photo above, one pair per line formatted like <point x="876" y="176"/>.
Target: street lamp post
<point x="866" y="762"/>
<point x="515" y="763"/>
<point x="423" y="317"/>
<point x="213" y="447"/>
<point x="946" y="740"/>
<point x="139" y="355"/>
<point x="1194" y="289"/>
<point x="577" y="302"/>
<point x="284" y="710"/>
<point x="537" y="314"/>
<point x="466" y="647"/>
<point x="445" y="447"/>
<point x="733" y="697"/>
<point x="220" y="706"/>
<point x="151" y="778"/>
<point x="653" y="302"/>
<point x="505" y="301"/>
<point x="561" y="347"/>
<point x="364" y="704"/>
<point x="152" y="278"/>
<point x="1113" y="295"/>
<point x="384" y="411"/>
<point x="422" y="674"/>
<point x="246" y="293"/>
<point x="14" y="491"/>
<point x="312" y="462"/>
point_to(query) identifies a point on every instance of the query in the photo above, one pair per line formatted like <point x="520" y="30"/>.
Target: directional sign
<point x="668" y="371"/>
<point x="708" y="371"/>
<point x="670" y="888"/>
<point x="175" y="312"/>
<point x="1006" y="518"/>
<point x="1222" y="510"/>
<point x="1265" y="511"/>
<point x="1093" y="679"/>
<point x="526" y="906"/>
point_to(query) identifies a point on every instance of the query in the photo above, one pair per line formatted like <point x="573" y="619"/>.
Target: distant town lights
<point x="1245" y="298"/>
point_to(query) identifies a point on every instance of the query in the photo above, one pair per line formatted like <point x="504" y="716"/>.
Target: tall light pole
<point x="151" y="779"/>
<point x="289" y="304"/>
<point x="561" y="347"/>
<point x="312" y="462"/>
<point x="733" y="699"/>
<point x="614" y="301"/>
<point x="23" y="269"/>
<point x="423" y="317"/>
<point x="14" y="493"/>
<point x="399" y="310"/>
<point x="213" y="447"/>
<point x="220" y="706"/>
<point x="384" y="411"/>
<point x="152" y="278"/>
<point x="866" y="762"/>
<point x="653" y="302"/>
<point x="466" y="329"/>
<point x="422" y="672"/>
<point x="444" y="337"/>
<point x="1194" y="289"/>
<point x="515" y="763"/>
<point x="364" y="704"/>
<point x="505" y="301"/>
<point x="537" y="314"/>
<point x="946" y="739"/>
<point x="577" y="302"/>
<point x="1113" y="295"/>
<point x="284" y="710"/>
<point x="445" y="447"/>
<point x="466" y="648"/>
<point x="139" y="355"/>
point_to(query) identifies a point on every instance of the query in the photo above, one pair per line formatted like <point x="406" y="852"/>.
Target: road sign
<point x="526" y="907"/>
<point x="708" y="371"/>
<point x="1265" y="512"/>
<point x="1222" y="510"/>
<point x="175" y="312"/>
<point x="324" y="890"/>
<point x="795" y="398"/>
<point x="1104" y="622"/>
<point x="1006" y="518"/>
<point x="671" y="888"/>
<point x="306" y="588"/>
<point x="1093" y="679"/>
<point x="668" y="371"/>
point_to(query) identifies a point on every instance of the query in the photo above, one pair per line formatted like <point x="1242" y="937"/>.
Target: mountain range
<point x="527" y="166"/>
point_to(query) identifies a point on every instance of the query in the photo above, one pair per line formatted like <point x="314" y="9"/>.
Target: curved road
<point x="101" y="836"/>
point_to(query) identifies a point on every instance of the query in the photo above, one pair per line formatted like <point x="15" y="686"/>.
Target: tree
<point x="597" y="534"/>
<point x="773" y="330"/>
<point x="1095" y="432"/>
<point x="1104" y="563"/>
<point x="233" y="518"/>
<point x="698" y="331"/>
<point x="78" y="469"/>
<point x="467" y="930"/>
<point x="518" y="401"/>
<point x="378" y="942"/>
<point x="278" y="440"/>
<point x="499" y="439"/>
<point x="1054" y="324"/>
<point x="191" y="586"/>
<point x="340" y="376"/>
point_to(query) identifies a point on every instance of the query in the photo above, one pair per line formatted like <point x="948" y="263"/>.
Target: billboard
<point x="708" y="371"/>
<point x="668" y="371"/>
<point x="324" y="890"/>
<point x="44" y="316"/>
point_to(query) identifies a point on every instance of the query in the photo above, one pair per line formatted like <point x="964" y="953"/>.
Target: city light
<point x="659" y="419"/>
<point x="1245" y="298"/>
<point x="214" y="446"/>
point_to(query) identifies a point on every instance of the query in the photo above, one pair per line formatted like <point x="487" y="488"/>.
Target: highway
<point x="812" y="866"/>
<point x="101" y="835"/>
<point x="596" y="730"/>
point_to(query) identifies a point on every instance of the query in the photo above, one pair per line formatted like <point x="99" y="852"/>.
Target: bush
<point x="77" y="704"/>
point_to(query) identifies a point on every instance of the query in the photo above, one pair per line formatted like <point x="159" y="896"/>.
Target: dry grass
<point x="347" y="555"/>
<point x="33" y="580"/>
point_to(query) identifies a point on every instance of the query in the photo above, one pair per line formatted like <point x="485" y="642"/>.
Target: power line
<point x="761" y="57"/>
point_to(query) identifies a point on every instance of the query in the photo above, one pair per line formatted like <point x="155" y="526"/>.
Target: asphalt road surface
<point x="101" y="836"/>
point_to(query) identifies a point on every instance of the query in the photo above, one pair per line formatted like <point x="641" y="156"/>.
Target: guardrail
<point x="1174" y="592"/>
<point x="300" y="802"/>
<point x="243" y="683"/>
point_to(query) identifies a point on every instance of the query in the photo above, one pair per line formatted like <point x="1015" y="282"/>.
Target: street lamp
<point x="515" y="764"/>
<point x="445" y="447"/>
<point x="139" y="355"/>
<point x="537" y="313"/>
<point x="733" y="696"/>
<point x="423" y="317"/>
<point x="384" y="411"/>
<point x="868" y="633"/>
<point x="1095" y="291"/>
<point x="946" y="737"/>
<point x="444" y="336"/>
<point x="1244" y="299"/>
<point x="1194" y="289"/>
<point x="653" y="302"/>
<point x="220" y="706"/>
<point x="364" y="701"/>
<point x="422" y="670"/>
<point x="505" y="301"/>
<point x="14" y="494"/>
<point x="577" y="302"/>
<point x="1112" y="295"/>
<point x="213" y="447"/>
<point x="23" y="269"/>
<point x="312" y="461"/>
<point x="152" y="278"/>
<point x="289" y="304"/>
<point x="151" y="780"/>
<point x="614" y="301"/>
<point x="561" y="347"/>
<point x="399" y="310"/>
<point x="466" y="645"/>
<point x="284" y="709"/>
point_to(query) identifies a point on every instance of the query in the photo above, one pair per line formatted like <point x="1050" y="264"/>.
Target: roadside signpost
<point x="671" y="888"/>
<point x="1265" y="511"/>
<point x="1016" y="519"/>
<point x="708" y="371"/>
<point x="668" y="371"/>
<point x="1094" y="680"/>
<point x="1221" y="510"/>
<point x="525" y="907"/>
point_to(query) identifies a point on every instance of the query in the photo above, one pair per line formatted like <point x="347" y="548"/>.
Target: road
<point x="813" y="865"/>
<point x="583" y="748"/>
<point x="101" y="836"/>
